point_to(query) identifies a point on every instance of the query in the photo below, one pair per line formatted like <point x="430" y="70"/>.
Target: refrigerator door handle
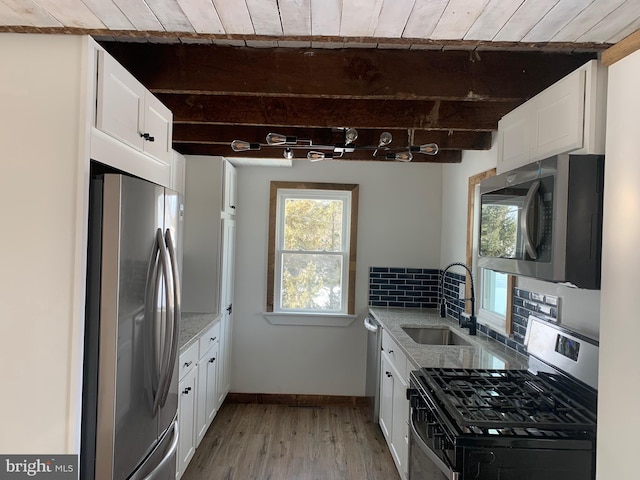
<point x="152" y="357"/>
<point x="165" y="376"/>
<point x="175" y="330"/>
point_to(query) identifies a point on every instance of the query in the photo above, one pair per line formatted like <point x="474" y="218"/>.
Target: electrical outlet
<point x="461" y="291"/>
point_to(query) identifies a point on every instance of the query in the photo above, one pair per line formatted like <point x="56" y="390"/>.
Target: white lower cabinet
<point x="198" y="390"/>
<point x="394" y="406"/>
<point x="207" y="403"/>
<point x="187" y="401"/>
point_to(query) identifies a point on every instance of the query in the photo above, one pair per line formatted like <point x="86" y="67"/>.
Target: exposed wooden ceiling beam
<point x="225" y="134"/>
<point x="331" y="112"/>
<point x="345" y="73"/>
<point x="450" y="97"/>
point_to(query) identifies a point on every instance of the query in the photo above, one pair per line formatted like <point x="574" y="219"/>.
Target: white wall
<point x="398" y="225"/>
<point x="43" y="206"/>
<point x="455" y="187"/>
<point x="619" y="380"/>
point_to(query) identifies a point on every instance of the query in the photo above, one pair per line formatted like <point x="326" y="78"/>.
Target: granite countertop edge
<point x="485" y="351"/>
<point x="192" y="325"/>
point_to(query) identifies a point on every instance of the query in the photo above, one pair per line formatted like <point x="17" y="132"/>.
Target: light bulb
<point x="317" y="156"/>
<point x="279" y="139"/>
<point x="429" y="149"/>
<point x="350" y="135"/>
<point x="242" y="146"/>
<point x="288" y="153"/>
<point x="400" y="156"/>
<point x="385" y="139"/>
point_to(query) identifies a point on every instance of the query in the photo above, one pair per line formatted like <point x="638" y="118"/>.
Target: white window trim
<point x="280" y="314"/>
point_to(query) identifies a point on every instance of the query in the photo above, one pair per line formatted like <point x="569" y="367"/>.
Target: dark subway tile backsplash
<point x="403" y="287"/>
<point x="419" y="288"/>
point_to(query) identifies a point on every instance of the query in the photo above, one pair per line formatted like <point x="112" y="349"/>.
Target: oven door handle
<point x="446" y="469"/>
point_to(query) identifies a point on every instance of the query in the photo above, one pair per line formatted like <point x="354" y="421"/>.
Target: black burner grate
<point x="506" y="399"/>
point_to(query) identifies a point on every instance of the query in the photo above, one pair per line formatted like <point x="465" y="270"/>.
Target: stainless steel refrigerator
<point x="130" y="394"/>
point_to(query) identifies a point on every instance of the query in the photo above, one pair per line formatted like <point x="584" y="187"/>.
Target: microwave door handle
<point x="524" y="220"/>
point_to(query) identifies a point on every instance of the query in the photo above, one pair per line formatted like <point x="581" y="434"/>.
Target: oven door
<point x="430" y="448"/>
<point x="424" y="464"/>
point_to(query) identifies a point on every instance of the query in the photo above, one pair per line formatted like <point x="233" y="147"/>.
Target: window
<point x="494" y="299"/>
<point x="312" y="238"/>
<point x="494" y="289"/>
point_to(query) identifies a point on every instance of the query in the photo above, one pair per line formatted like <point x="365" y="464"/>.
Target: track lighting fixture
<point x="316" y="152"/>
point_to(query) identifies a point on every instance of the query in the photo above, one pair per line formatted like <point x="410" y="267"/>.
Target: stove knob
<point x="422" y="415"/>
<point x="438" y="441"/>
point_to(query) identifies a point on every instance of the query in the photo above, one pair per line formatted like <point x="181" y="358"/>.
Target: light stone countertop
<point x="485" y="352"/>
<point x="192" y="325"/>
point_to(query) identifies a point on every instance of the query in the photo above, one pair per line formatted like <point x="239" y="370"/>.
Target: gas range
<point x="511" y="402"/>
<point x="509" y="424"/>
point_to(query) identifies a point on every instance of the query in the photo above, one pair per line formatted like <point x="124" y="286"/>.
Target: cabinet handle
<point x="389" y="374"/>
<point x="230" y="308"/>
<point x="188" y="364"/>
<point x="186" y="391"/>
<point x="147" y="137"/>
<point x="212" y="359"/>
<point x="213" y="339"/>
<point x="390" y="351"/>
<point x="233" y="206"/>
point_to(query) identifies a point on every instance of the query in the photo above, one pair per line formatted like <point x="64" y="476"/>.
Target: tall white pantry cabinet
<point x="50" y="129"/>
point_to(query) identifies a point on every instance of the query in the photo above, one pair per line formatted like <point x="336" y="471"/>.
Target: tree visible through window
<point x="312" y="244"/>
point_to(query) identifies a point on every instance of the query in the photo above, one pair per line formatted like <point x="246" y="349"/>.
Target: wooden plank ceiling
<point x="441" y="71"/>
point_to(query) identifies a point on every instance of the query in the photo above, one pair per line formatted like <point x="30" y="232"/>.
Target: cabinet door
<point x="514" y="138"/>
<point x="120" y="105"/>
<point x="226" y="295"/>
<point x="400" y="433"/>
<point x="186" y="420"/>
<point x="207" y="403"/>
<point x="230" y="184"/>
<point x="559" y="121"/>
<point x="386" y="397"/>
<point x="157" y="126"/>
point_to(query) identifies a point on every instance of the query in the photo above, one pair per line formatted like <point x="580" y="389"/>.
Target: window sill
<point x="310" y="319"/>
<point x="495" y="322"/>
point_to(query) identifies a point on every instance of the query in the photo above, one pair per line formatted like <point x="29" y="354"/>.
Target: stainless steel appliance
<point x="544" y="220"/>
<point x="530" y="424"/>
<point x="374" y="347"/>
<point x="130" y="392"/>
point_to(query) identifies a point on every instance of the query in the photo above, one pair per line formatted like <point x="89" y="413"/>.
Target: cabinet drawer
<point x="188" y="360"/>
<point x="209" y="338"/>
<point x="395" y="355"/>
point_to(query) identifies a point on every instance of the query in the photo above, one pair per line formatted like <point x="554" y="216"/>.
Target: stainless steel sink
<point x="435" y="336"/>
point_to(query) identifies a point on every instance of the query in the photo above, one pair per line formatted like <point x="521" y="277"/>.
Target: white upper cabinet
<point x="230" y="192"/>
<point x="567" y="117"/>
<point x="178" y="172"/>
<point x="133" y="128"/>
<point x="559" y="117"/>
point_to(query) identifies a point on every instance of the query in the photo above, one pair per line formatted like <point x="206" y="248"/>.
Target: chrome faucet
<point x="472" y="323"/>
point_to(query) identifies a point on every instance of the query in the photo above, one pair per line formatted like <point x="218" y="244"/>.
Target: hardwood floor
<point x="277" y="442"/>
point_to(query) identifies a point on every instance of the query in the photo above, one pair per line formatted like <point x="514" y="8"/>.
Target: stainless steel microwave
<point x="544" y="220"/>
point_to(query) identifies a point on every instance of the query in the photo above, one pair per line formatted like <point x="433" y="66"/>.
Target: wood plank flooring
<point x="277" y="442"/>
